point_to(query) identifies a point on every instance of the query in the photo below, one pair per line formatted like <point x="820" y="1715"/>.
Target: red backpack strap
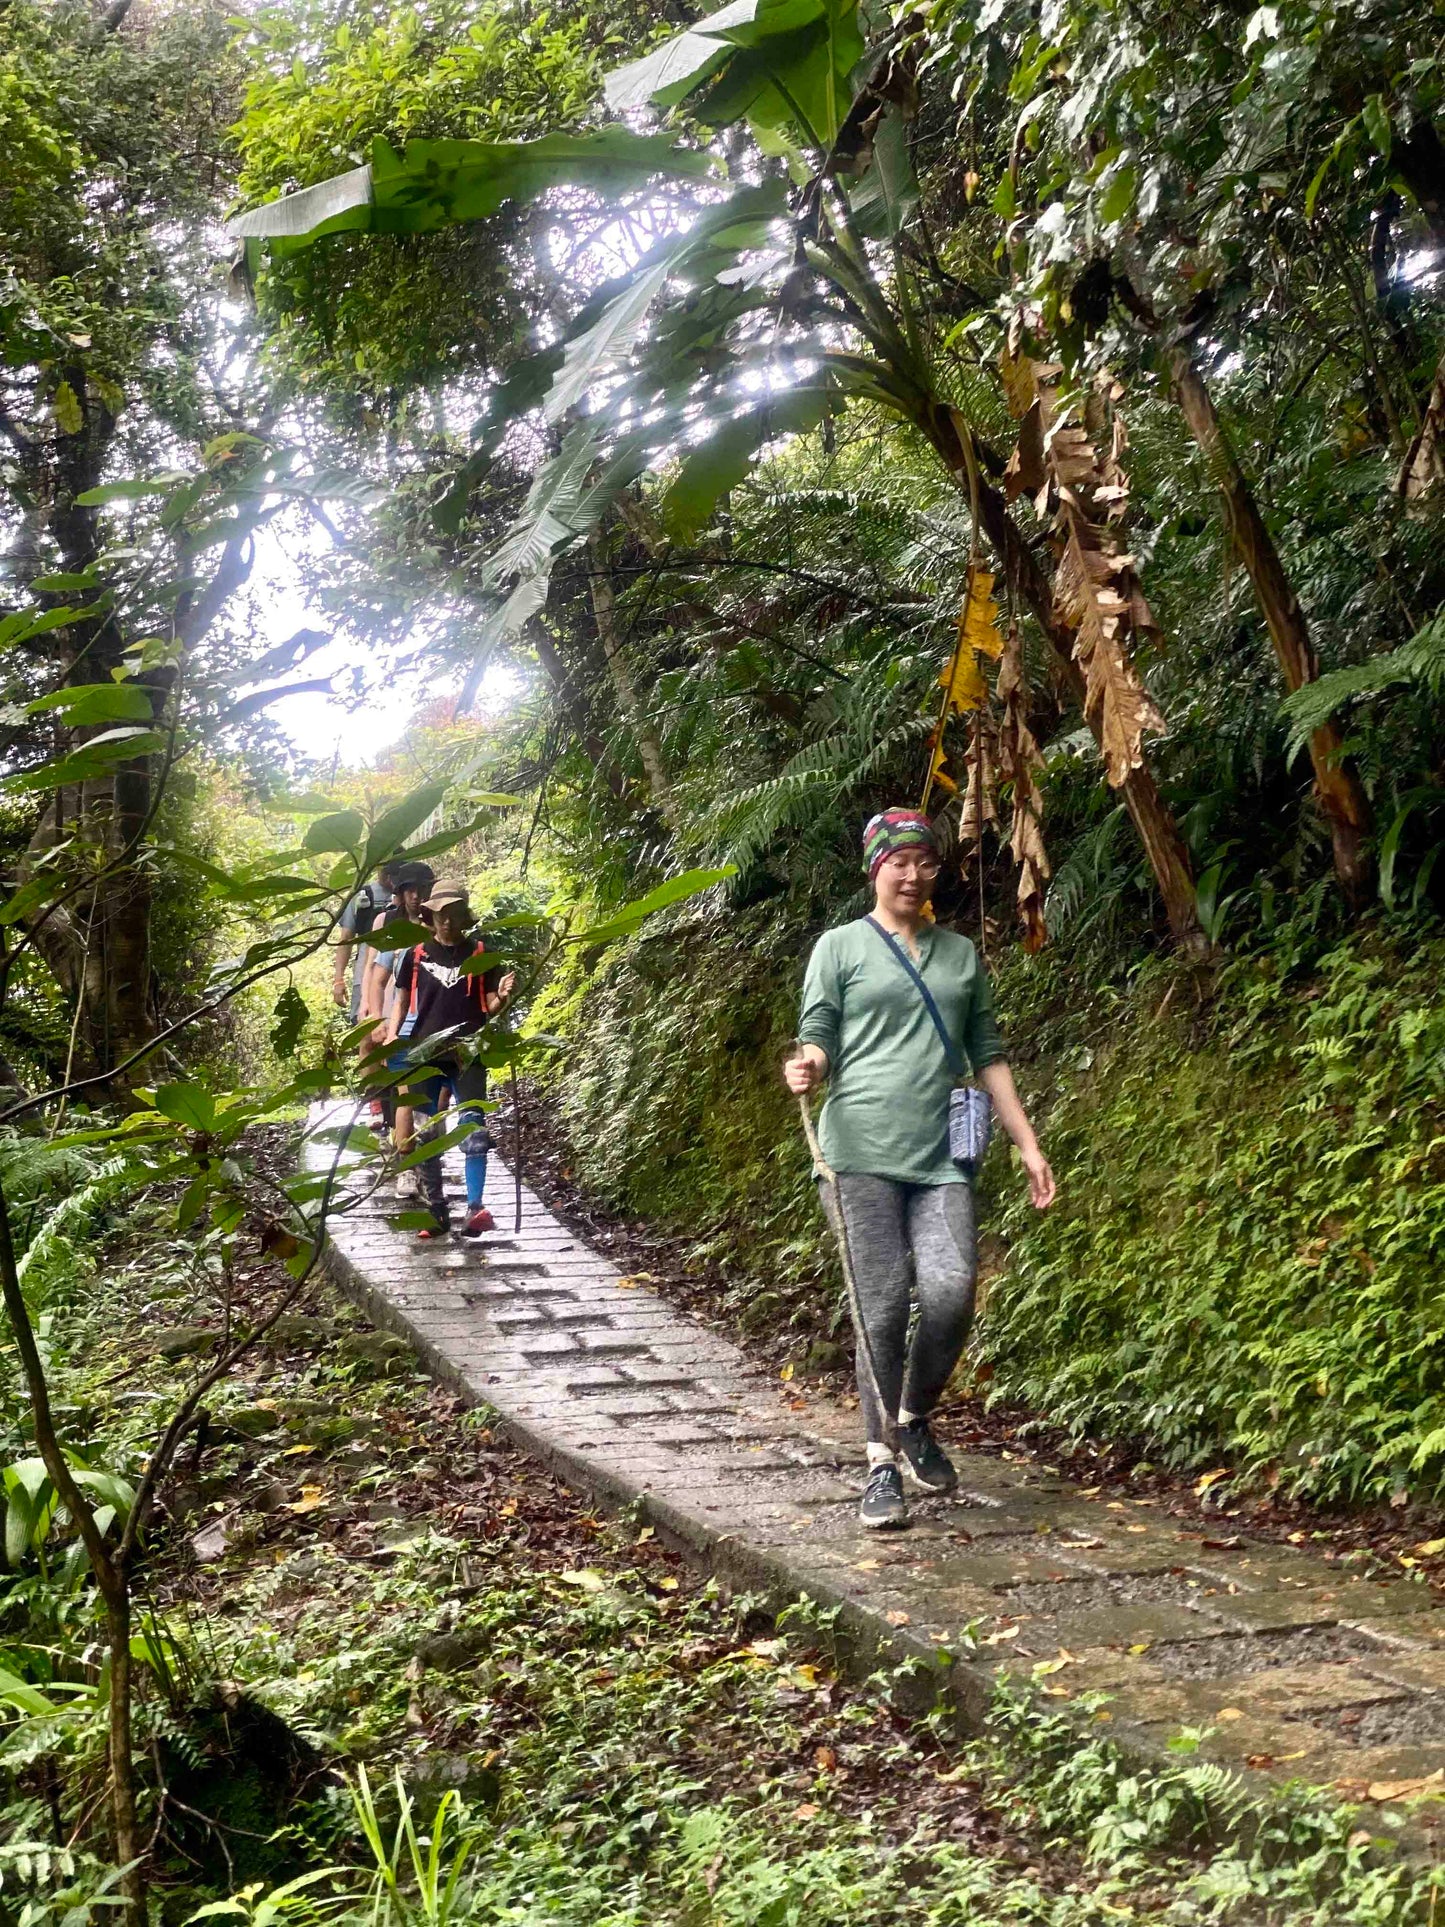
<point x="477" y="949"/>
<point x="415" y="976"/>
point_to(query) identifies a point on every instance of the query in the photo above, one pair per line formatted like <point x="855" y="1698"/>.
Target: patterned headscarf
<point x="894" y="830"/>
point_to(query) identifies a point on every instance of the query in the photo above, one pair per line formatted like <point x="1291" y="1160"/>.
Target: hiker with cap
<point x="892" y="1005"/>
<point x="450" y="1002"/>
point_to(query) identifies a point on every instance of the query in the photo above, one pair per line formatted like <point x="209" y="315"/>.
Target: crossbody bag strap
<point x="900" y="956"/>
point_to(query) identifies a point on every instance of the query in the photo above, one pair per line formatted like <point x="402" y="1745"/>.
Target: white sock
<point x="905" y="1417"/>
<point x="879" y="1455"/>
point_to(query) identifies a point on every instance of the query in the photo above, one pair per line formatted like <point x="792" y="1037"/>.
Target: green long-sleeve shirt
<point x="889" y="1080"/>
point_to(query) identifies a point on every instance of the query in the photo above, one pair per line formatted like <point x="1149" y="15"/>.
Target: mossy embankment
<point x="1246" y="1257"/>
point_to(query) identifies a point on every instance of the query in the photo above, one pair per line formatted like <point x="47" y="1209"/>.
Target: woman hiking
<point x="437" y="985"/>
<point x="907" y="1219"/>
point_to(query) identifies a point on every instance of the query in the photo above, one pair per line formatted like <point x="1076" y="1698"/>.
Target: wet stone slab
<point x="1268" y="1650"/>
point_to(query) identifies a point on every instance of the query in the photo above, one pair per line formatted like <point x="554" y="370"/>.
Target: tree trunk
<point x="1151" y="816"/>
<point x="124" y="1821"/>
<point x="604" y="611"/>
<point x="97" y="945"/>
<point x="1424" y="463"/>
<point x="1337" y="785"/>
<point x="564" y="690"/>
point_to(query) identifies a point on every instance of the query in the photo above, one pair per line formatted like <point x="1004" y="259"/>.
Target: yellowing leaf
<point x="1211" y="1478"/>
<point x="896" y="1618"/>
<point x="312" y="1496"/>
<point x="297" y="1451"/>
<point x="978" y="635"/>
<point x="1430" y="1548"/>
<point x="1142" y="1647"/>
<point x="1008" y="1632"/>
<point x="586" y="1579"/>
<point x="1229" y="1713"/>
<point x="69" y="417"/>
<point x="809" y="1810"/>
<point x="1046" y="1666"/>
<point x="669" y="1584"/>
<point x="786" y="1373"/>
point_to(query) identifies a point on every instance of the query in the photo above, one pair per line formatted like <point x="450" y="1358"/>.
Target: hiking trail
<point x="1297" y="1670"/>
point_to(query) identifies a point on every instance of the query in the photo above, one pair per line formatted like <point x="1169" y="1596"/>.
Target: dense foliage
<point x="688" y="407"/>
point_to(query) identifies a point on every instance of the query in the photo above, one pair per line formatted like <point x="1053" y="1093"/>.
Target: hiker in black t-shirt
<point x="432" y="986"/>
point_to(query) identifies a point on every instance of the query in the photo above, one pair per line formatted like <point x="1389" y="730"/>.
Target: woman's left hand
<point x="1042" y="1188"/>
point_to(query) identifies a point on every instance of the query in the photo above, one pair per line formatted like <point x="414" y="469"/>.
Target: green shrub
<point x="1245" y="1256"/>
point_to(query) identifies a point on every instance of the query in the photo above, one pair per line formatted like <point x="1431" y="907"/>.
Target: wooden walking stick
<point x="516" y="1152"/>
<point x="864" y="1351"/>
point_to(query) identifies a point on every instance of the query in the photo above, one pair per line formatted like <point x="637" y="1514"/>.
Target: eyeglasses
<point x="902" y="864"/>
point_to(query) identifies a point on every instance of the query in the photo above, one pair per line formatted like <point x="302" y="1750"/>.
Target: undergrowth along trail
<point x="355" y="1571"/>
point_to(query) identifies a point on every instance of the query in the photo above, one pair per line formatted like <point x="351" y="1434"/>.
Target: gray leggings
<point x="907" y="1239"/>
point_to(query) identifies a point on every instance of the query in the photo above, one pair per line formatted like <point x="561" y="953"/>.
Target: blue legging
<point x="469" y="1083"/>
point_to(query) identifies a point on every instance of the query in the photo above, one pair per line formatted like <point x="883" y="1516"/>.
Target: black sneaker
<point x="883" y="1501"/>
<point x="926" y="1461"/>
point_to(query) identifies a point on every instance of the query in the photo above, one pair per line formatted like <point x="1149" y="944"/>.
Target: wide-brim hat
<point x="445" y="892"/>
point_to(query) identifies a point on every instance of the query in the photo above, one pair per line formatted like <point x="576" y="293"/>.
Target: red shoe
<point x="478" y="1221"/>
<point x="440" y="1227"/>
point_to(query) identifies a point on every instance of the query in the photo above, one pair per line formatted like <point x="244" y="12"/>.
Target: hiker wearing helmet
<point x="892" y="1005"/>
<point x="434" y="983"/>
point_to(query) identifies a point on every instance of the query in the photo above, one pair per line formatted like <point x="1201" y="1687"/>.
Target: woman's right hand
<point x="806" y="1071"/>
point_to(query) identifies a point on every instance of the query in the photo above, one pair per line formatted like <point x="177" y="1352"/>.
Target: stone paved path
<point x="1300" y="1670"/>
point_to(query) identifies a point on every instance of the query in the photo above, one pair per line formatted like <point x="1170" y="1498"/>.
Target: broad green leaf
<point x="188" y="1104"/>
<point x="192" y="1201"/>
<point x="343" y="831"/>
<point x="397" y="935"/>
<point x="721" y="462"/>
<point x="670" y="72"/>
<point x="611" y="336"/>
<point x="98" y="702"/>
<point x="20" y="1694"/>
<point x="26" y="623"/>
<point x="394" y="826"/>
<point x="95" y="498"/>
<point x="523" y="389"/>
<point x="624" y="921"/>
<point x="20" y="1513"/>
<point x="290" y="1016"/>
<point x="482" y="962"/>
<point x="1117" y="198"/>
<point x="115" y="1491"/>
<point x="66" y="582"/>
<point x="435" y="183"/>
<point x="94" y="758"/>
<point x="1376" y="118"/>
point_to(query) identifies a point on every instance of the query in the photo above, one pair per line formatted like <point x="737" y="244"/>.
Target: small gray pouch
<point x="970" y="1126"/>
